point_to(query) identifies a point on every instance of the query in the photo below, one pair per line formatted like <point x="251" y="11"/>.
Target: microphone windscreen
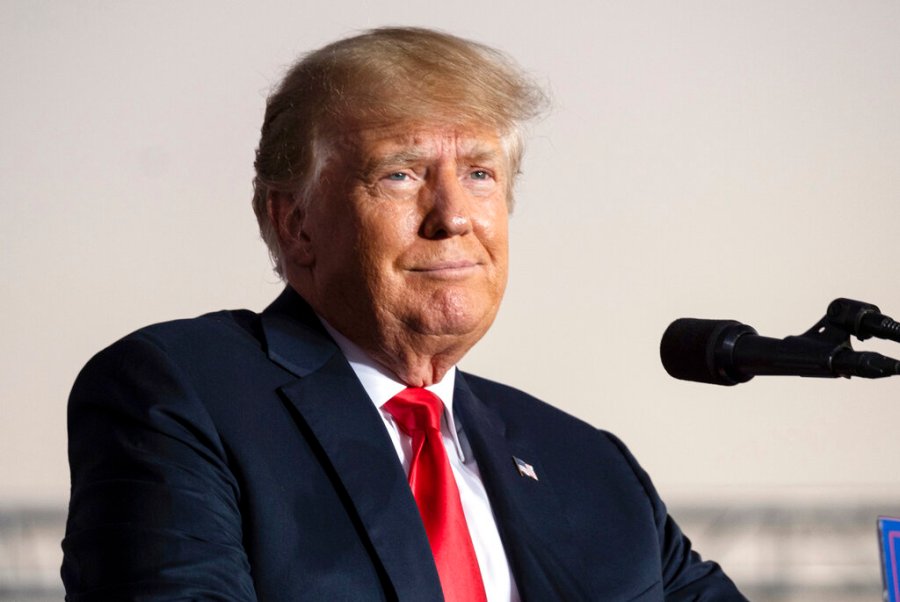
<point x="688" y="350"/>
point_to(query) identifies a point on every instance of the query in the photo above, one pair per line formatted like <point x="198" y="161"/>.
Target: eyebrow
<point x="407" y="156"/>
<point x="402" y="157"/>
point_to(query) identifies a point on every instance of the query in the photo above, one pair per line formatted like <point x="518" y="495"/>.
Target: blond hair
<point x="383" y="76"/>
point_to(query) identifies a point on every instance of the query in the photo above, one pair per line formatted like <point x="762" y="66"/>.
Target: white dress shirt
<point x="381" y="386"/>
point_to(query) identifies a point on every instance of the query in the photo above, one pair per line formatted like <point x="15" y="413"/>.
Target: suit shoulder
<point x="218" y="324"/>
<point x="208" y="334"/>
<point x="519" y="407"/>
<point x="217" y="327"/>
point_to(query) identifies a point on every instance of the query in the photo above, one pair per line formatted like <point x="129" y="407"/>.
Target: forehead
<point x="418" y="141"/>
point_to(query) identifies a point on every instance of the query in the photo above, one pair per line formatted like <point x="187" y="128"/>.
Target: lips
<point x="446" y="265"/>
<point x="451" y="269"/>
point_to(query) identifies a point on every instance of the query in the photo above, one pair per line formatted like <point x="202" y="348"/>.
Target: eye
<point x="398" y="176"/>
<point x="480" y="174"/>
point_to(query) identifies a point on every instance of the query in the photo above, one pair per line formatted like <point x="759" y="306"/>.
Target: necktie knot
<point x="415" y="410"/>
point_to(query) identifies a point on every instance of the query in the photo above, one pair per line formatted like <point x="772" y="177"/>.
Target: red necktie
<point x="418" y="414"/>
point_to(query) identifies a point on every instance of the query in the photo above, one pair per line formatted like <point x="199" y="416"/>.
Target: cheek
<point x="494" y="230"/>
<point x="388" y="230"/>
<point x="383" y="239"/>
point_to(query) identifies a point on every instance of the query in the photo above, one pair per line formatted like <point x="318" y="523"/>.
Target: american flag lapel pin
<point x="525" y="469"/>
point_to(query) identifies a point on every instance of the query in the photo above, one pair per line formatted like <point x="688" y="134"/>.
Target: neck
<point x="413" y="366"/>
<point x="413" y="369"/>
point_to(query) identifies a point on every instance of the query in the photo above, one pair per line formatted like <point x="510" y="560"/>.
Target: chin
<point x="457" y="321"/>
<point x="451" y="311"/>
<point x="454" y="327"/>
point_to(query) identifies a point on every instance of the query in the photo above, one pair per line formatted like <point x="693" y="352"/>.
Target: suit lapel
<point x="533" y="527"/>
<point x="357" y="452"/>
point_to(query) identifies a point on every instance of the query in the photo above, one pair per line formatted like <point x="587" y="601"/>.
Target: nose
<point x="447" y="208"/>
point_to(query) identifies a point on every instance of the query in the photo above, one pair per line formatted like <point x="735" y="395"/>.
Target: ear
<point x="288" y="219"/>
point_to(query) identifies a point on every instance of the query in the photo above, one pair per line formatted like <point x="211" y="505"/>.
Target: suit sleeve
<point x="686" y="576"/>
<point x="154" y="509"/>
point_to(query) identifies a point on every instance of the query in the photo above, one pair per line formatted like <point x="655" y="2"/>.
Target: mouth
<point x="447" y="269"/>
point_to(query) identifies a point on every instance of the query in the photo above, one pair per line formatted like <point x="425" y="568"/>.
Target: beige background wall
<point x="707" y="159"/>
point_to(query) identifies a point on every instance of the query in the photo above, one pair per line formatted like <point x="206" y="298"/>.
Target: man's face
<point x="410" y="235"/>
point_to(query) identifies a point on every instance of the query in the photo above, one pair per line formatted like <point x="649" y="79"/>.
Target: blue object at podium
<point x="889" y="531"/>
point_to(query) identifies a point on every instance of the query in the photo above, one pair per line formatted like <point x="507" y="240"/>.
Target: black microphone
<point x="726" y="352"/>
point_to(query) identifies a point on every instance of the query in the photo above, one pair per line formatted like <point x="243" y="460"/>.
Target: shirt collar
<point x="381" y="385"/>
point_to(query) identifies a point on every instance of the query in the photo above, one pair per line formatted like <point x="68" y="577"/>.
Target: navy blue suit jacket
<point x="236" y="456"/>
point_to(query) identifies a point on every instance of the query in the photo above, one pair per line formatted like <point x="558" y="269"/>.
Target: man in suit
<point x="328" y="449"/>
